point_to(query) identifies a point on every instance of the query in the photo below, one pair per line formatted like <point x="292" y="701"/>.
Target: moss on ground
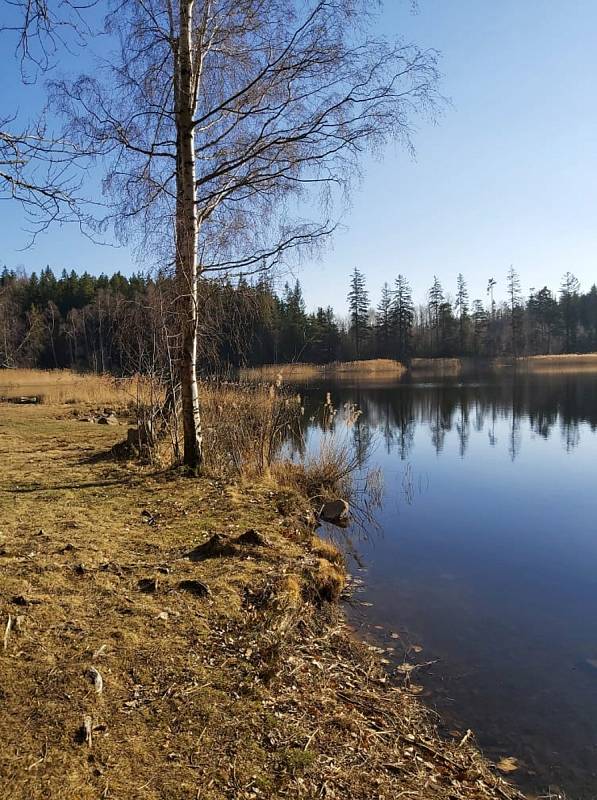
<point x="253" y="689"/>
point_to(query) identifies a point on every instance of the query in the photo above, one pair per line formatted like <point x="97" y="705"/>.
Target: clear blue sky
<point x="507" y="176"/>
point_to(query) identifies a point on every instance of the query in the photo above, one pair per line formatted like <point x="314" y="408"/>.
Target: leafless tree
<point x="221" y="121"/>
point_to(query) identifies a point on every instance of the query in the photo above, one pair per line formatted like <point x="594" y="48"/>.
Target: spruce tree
<point x="383" y="321"/>
<point x="358" y="304"/>
<point x="434" y="306"/>
<point x="516" y="310"/>
<point x="403" y="313"/>
<point x="480" y="323"/>
<point x="569" y="291"/>
<point x="461" y="308"/>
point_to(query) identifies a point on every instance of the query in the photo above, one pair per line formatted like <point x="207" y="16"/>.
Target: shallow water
<point x="485" y="558"/>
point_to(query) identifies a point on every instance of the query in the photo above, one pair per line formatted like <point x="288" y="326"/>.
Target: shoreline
<point x="389" y="369"/>
<point x="227" y="669"/>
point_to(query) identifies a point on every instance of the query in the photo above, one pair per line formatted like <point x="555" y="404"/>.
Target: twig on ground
<point x="7" y="630"/>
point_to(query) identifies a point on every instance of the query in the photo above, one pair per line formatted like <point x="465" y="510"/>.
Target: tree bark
<point x="186" y="241"/>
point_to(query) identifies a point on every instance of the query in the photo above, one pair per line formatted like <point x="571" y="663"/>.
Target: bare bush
<point x="247" y="426"/>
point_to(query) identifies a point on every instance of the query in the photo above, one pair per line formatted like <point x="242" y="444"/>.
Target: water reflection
<point x="546" y="403"/>
<point x="486" y="556"/>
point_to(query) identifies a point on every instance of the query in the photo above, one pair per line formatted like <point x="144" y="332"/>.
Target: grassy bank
<point x="142" y="658"/>
<point x="387" y="369"/>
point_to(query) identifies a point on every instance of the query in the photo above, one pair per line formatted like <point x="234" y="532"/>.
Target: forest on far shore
<point x="124" y="324"/>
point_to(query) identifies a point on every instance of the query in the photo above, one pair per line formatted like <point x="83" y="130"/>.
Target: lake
<point x="482" y="567"/>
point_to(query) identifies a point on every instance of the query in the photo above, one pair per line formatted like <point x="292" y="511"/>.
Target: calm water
<point x="485" y="559"/>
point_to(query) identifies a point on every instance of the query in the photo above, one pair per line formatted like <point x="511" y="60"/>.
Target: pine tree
<point x="461" y="308"/>
<point x="515" y="304"/>
<point x="326" y="336"/>
<point x="294" y="323"/>
<point x="480" y="323"/>
<point x="358" y="303"/>
<point x="569" y="304"/>
<point x="588" y="317"/>
<point x="491" y="284"/>
<point x="436" y="300"/>
<point x="403" y="313"/>
<point x="383" y="321"/>
<point x="544" y="317"/>
<point x="447" y="330"/>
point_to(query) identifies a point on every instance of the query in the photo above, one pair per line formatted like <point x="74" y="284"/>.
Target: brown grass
<point x="338" y="369"/>
<point x="56" y="387"/>
<point x="256" y="690"/>
<point x="323" y="582"/>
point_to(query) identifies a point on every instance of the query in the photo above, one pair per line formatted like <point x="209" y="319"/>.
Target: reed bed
<point x="337" y="369"/>
<point x="581" y="362"/>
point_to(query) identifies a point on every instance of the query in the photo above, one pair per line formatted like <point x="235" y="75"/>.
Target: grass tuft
<point x="326" y="550"/>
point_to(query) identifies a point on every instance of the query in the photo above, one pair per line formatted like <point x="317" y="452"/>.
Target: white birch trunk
<point x="186" y="240"/>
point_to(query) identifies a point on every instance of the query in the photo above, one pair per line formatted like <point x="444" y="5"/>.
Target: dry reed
<point x="246" y="426"/>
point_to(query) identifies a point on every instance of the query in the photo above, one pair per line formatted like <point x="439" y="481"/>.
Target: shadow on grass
<point x="40" y="487"/>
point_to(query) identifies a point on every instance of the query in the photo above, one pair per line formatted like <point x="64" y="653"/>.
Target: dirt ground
<point x="136" y="664"/>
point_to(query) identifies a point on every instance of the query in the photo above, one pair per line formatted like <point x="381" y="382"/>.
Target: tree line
<point x="446" y="325"/>
<point x="127" y="324"/>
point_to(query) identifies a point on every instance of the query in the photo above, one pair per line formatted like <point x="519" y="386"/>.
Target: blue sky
<point x="508" y="175"/>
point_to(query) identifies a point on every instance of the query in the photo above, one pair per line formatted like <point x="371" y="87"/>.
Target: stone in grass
<point x="335" y="511"/>
<point x="216" y="547"/>
<point x="197" y="588"/>
<point x="148" y="585"/>
<point x="22" y="600"/>
<point x="252" y="538"/>
<point x="108" y="419"/>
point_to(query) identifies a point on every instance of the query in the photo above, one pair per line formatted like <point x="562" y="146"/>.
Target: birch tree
<point x="230" y="129"/>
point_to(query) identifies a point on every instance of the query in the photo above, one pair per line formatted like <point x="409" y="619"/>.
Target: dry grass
<point x="252" y="688"/>
<point x="383" y="367"/>
<point x="55" y="387"/>
<point x="243" y="425"/>
<point x="322" y="476"/>
<point x="326" y="550"/>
